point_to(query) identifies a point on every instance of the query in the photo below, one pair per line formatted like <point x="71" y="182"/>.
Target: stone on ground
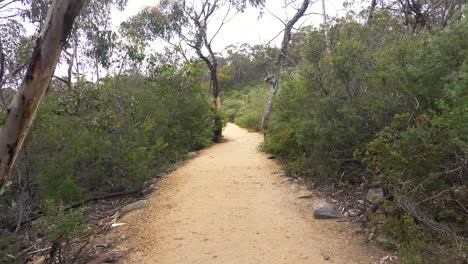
<point x="375" y="195"/>
<point x="326" y="210"/>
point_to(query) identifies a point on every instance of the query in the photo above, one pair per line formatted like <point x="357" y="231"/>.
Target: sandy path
<point x="228" y="206"/>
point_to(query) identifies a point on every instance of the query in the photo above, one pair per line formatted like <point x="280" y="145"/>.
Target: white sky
<point x="246" y="27"/>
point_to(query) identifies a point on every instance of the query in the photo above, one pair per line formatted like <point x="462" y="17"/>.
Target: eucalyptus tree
<point x="20" y="114"/>
<point x="91" y="38"/>
<point x="282" y="59"/>
<point x="91" y="44"/>
<point x="189" y="24"/>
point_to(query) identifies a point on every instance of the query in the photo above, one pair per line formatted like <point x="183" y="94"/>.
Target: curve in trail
<point x="229" y="206"/>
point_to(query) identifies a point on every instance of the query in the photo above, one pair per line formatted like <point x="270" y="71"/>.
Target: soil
<point x="230" y="205"/>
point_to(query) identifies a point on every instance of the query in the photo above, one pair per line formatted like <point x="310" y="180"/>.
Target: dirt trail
<point x="228" y="206"/>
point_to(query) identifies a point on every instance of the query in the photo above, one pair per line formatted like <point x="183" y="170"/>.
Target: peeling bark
<point x="283" y="54"/>
<point x="20" y="114"/>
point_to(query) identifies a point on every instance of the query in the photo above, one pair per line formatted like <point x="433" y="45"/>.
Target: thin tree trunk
<point x="283" y="53"/>
<point x="71" y="62"/>
<point x="2" y="62"/>
<point x="2" y="73"/>
<point x="218" y="133"/>
<point x="324" y="12"/>
<point x="97" y="72"/>
<point x="274" y="89"/>
<point x="213" y="68"/>
<point x="20" y="114"/>
<point x="371" y="11"/>
<point x="214" y="73"/>
<point x="215" y="83"/>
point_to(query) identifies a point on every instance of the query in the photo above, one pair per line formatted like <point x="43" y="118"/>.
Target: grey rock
<point x="326" y="210"/>
<point x="133" y="206"/>
<point x="354" y="212"/>
<point x="375" y="195"/>
<point x="385" y="241"/>
<point x="193" y="154"/>
<point x="149" y="189"/>
<point x="271" y="156"/>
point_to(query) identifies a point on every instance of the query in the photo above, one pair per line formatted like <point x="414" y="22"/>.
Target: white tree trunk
<point x="283" y="54"/>
<point x="20" y="114"/>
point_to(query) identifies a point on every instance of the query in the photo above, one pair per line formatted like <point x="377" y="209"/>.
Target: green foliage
<point x="9" y="248"/>
<point x="58" y="226"/>
<point x="424" y="162"/>
<point x="371" y="105"/>
<point x="117" y="136"/>
<point x="98" y="139"/>
<point x="247" y="109"/>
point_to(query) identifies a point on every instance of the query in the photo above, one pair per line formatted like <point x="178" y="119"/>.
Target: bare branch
<point x="275" y="16"/>
<point x="223" y="22"/>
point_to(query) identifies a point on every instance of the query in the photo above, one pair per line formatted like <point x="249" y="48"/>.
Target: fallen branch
<point x="87" y="201"/>
<point x="441" y="229"/>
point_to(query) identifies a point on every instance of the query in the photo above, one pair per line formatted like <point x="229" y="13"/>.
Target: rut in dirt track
<point x="229" y="206"/>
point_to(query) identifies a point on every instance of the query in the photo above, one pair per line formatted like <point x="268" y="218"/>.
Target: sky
<point x="247" y="27"/>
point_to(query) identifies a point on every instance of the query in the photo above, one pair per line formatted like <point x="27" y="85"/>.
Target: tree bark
<point x="324" y="12"/>
<point x="215" y="84"/>
<point x="20" y="114"/>
<point x="213" y="68"/>
<point x="371" y="11"/>
<point x="283" y="53"/>
<point x="2" y="62"/>
<point x="71" y="61"/>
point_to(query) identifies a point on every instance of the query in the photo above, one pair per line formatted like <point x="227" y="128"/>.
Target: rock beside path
<point x="133" y="206"/>
<point x="193" y="154"/>
<point x="375" y="195"/>
<point x="326" y="210"/>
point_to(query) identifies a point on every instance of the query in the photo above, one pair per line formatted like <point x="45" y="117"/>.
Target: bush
<point x="101" y="139"/>
<point x="58" y="229"/>
<point x="374" y="106"/>
<point x="247" y="110"/>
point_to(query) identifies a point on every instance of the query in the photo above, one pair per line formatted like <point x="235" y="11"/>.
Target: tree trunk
<point x="371" y="11"/>
<point x="215" y="83"/>
<point x="71" y="62"/>
<point x="324" y="12"/>
<point x="212" y="65"/>
<point x="2" y="62"/>
<point x="20" y="114"/>
<point x="218" y="133"/>
<point x="283" y="54"/>
<point x="274" y="89"/>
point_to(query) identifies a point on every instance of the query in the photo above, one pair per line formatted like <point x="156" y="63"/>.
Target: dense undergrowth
<point x="94" y="140"/>
<point x="362" y="105"/>
<point x="378" y="106"/>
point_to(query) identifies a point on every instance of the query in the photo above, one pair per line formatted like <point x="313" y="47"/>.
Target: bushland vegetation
<point x="381" y="104"/>
<point x="374" y="99"/>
